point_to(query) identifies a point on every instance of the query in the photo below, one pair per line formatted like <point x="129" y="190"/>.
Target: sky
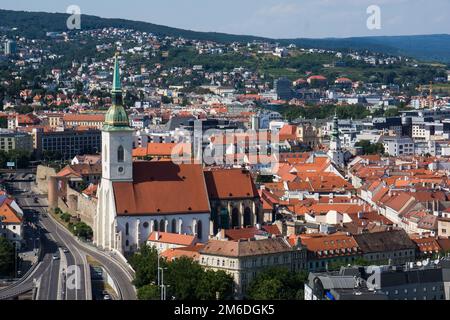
<point x="268" y="18"/>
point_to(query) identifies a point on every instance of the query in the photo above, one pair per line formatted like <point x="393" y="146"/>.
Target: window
<point x="200" y="229"/>
<point x="174" y="226"/>
<point x="127" y="229"/>
<point x="120" y="154"/>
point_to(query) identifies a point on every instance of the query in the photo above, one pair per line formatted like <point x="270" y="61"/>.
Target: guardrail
<point x="16" y="292"/>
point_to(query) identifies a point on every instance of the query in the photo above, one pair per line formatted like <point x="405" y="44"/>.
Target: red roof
<point x="230" y="184"/>
<point x="250" y="233"/>
<point x="9" y="215"/>
<point x="162" y="187"/>
<point x="172" y="238"/>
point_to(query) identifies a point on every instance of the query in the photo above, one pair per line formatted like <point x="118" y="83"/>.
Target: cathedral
<point x="137" y="198"/>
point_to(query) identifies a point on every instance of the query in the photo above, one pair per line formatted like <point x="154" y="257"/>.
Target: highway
<point x="54" y="284"/>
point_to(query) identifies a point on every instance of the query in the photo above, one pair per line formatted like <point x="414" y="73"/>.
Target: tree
<point x="215" y="285"/>
<point x="6" y="257"/>
<point x="277" y="284"/>
<point x="81" y="230"/>
<point x="166" y="100"/>
<point x="183" y="276"/>
<point x="266" y="289"/>
<point x="369" y="148"/>
<point x="145" y="263"/>
<point x="22" y="158"/>
<point x="149" y="292"/>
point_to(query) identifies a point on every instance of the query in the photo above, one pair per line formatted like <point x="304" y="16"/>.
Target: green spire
<point x="117" y="85"/>
<point x="116" y="118"/>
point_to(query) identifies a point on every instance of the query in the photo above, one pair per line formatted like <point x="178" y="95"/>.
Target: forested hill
<point x="423" y="47"/>
<point x="37" y="24"/>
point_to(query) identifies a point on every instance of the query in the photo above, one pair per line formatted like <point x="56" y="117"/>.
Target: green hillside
<point x="422" y="47"/>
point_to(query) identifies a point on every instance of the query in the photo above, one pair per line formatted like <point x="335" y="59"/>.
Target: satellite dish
<point x="419" y="264"/>
<point x="426" y="262"/>
<point x="436" y="262"/>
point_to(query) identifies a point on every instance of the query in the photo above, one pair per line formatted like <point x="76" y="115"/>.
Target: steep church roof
<point x="162" y="188"/>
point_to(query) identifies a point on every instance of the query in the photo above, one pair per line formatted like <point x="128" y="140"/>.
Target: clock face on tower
<point x="120" y="169"/>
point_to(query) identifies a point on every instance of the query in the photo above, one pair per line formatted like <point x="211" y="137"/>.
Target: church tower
<point x="117" y="166"/>
<point x="117" y="137"/>
<point x="335" y="153"/>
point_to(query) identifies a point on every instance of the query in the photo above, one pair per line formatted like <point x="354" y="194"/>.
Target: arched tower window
<point x="120" y="154"/>
<point x="127" y="229"/>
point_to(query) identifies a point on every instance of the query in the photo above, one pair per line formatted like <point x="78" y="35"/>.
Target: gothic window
<point x="174" y="226"/>
<point x="162" y="225"/>
<point x="120" y="154"/>
<point x="247" y="217"/>
<point x="127" y="229"/>
<point x="199" y="230"/>
<point x="235" y="218"/>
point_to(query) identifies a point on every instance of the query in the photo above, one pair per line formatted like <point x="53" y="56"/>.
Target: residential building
<point x="390" y="246"/>
<point x="398" y="146"/>
<point x="11" y="217"/>
<point x="408" y="282"/>
<point x="83" y="120"/>
<point x="245" y="259"/>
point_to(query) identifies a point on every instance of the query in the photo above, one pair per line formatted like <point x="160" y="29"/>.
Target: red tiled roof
<point x="83" y="117"/>
<point x="230" y="184"/>
<point x="9" y="215"/>
<point x="189" y="252"/>
<point x="162" y="188"/>
<point x="250" y="233"/>
<point x="172" y="238"/>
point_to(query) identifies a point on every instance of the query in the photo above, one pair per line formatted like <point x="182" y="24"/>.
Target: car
<point x="106" y="297"/>
<point x="65" y="250"/>
<point x="55" y="257"/>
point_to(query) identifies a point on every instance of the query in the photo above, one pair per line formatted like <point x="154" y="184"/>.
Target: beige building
<point x="444" y="227"/>
<point x="308" y="134"/>
<point x="244" y="259"/>
<point x="55" y="120"/>
<point x="84" y="120"/>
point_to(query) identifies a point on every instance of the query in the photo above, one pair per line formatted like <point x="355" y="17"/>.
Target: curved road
<point x="51" y="273"/>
